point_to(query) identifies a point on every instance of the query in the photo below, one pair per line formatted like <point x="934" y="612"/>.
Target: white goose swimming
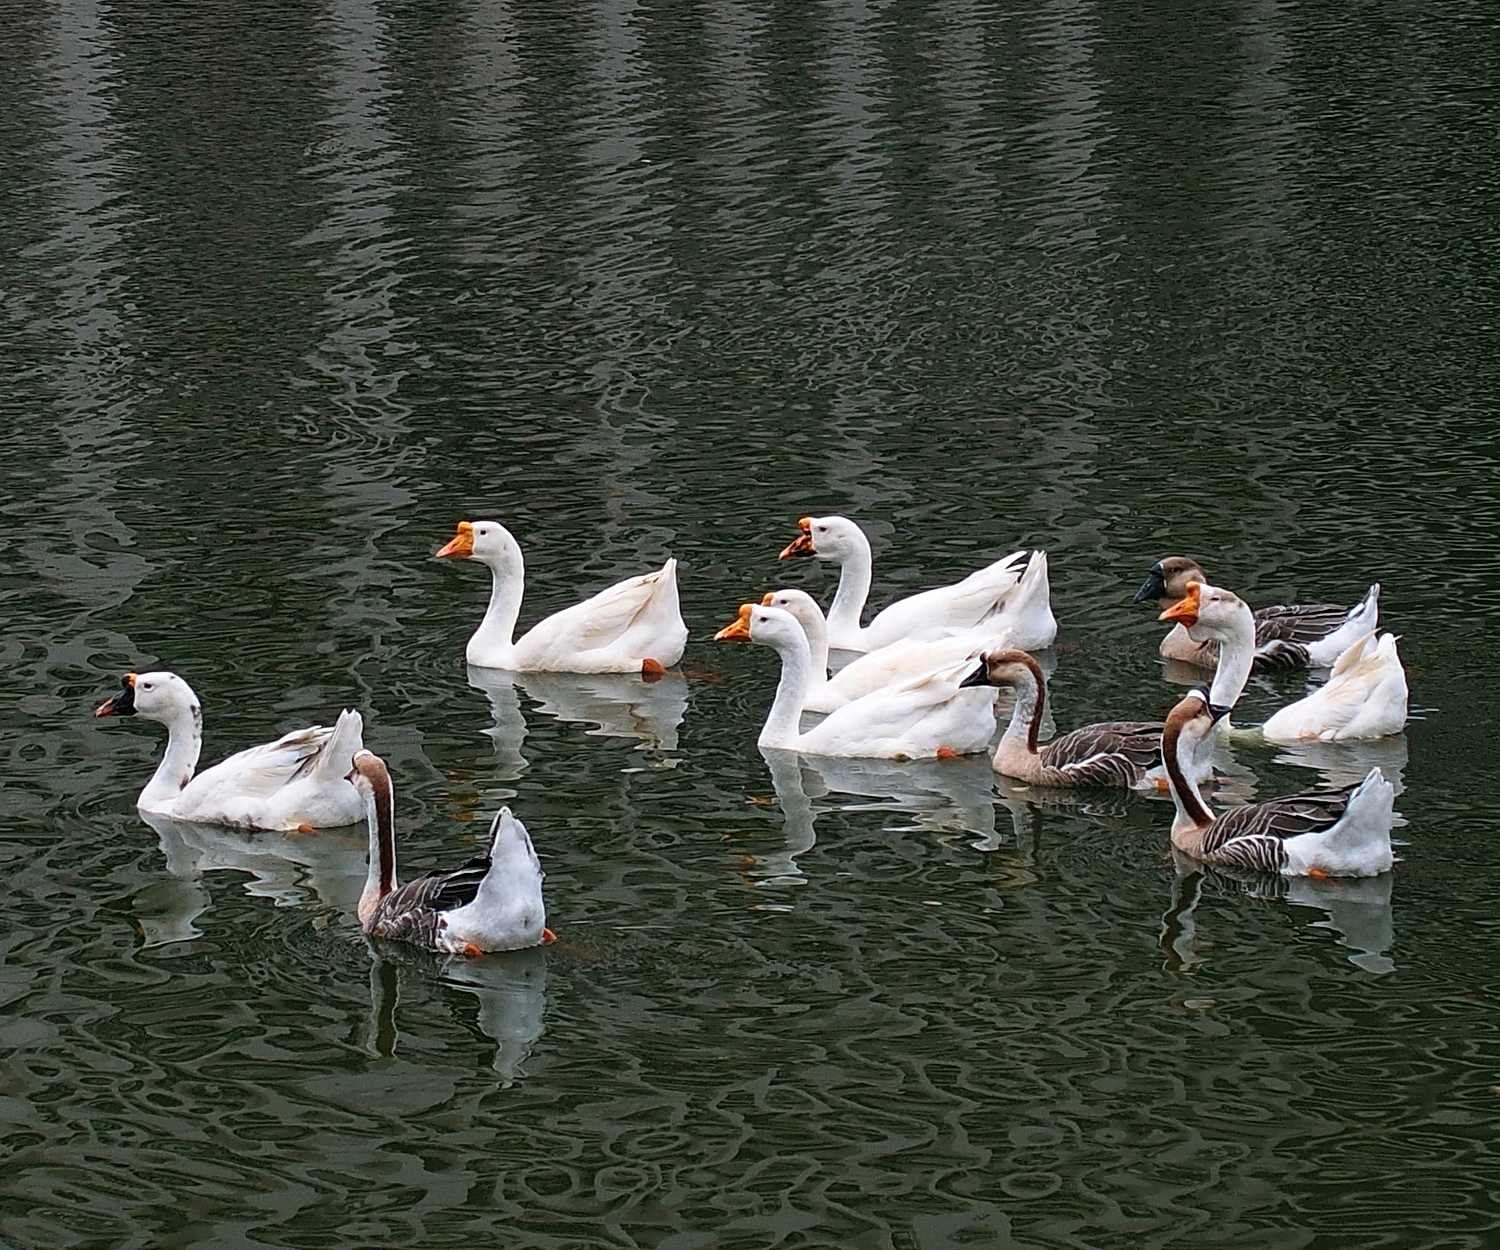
<point x="298" y="782"/>
<point x="874" y="670"/>
<point x="1297" y="635"/>
<point x="1365" y="695"/>
<point x="1336" y="833"/>
<point x="491" y="903"/>
<point x="634" y="626"/>
<point x="924" y="717"/>
<point x="1110" y="753"/>
<point x="965" y="605"/>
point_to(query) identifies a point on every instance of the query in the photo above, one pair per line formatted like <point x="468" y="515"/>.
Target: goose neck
<point x="1193" y="814"/>
<point x="783" y="727"/>
<point x="854" y="588"/>
<point x="1236" y="656"/>
<point x="178" y="762"/>
<point x="380" y="874"/>
<point x="497" y="630"/>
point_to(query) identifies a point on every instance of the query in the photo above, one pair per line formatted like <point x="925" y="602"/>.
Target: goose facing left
<point x="634" y="626"/>
<point x="492" y="902"/>
<point x="298" y="782"/>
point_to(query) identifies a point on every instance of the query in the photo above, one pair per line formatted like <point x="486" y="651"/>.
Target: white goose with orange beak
<point x="1015" y="587"/>
<point x="634" y="626"/>
<point x="299" y="782"/>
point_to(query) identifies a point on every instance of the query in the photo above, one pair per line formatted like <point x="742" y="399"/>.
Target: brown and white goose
<point x="491" y="903"/>
<point x="1330" y="833"/>
<point x="1298" y="635"/>
<point x="1111" y="753"/>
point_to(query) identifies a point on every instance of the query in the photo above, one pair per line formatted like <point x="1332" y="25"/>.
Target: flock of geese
<point x="922" y="684"/>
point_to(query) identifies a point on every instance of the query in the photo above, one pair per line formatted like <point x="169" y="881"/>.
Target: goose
<point x="874" y="670"/>
<point x="1111" y="753"/>
<point x="634" y="626"/>
<point x="923" y="717"/>
<point x="963" y="605"/>
<point x="1331" y="833"/>
<point x="1299" y="635"/>
<point x="1365" y="695"/>
<point x="299" y="782"/>
<point x="491" y="903"/>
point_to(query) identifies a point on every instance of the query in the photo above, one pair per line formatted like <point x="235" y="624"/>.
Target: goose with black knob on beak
<point x="1110" y="753"/>
<point x="491" y="903"/>
<point x="1334" y="833"/>
<point x="634" y="626"/>
<point x="1298" y="635"/>
<point x="965" y="605"/>
<point x="298" y="782"/>
<point x="1364" y="697"/>
<point x="924" y="717"/>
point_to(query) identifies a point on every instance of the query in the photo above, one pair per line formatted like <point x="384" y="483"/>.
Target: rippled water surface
<point x="288" y="289"/>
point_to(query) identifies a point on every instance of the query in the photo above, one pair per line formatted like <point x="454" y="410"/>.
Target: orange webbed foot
<point x="945" y="753"/>
<point x="305" y="829"/>
<point x="652" y="670"/>
<point x="548" y="937"/>
<point x="471" y="951"/>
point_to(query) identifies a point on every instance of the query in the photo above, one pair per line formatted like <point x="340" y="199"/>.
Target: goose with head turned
<point x="491" y="903"/>
<point x="1333" y="833"/>
<point x="1110" y="753"/>
<point x="298" y="782"/>
<point x="965" y="605"/>
<point x="1365" y="695"/>
<point x="1298" y="635"/>
<point x="634" y="626"/>
<point x="924" y="717"/>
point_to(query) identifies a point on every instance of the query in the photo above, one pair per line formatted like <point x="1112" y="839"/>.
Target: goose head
<point x="1168" y="579"/>
<point x="160" y="696"/>
<point x="828" y="537"/>
<point x="1006" y="667"/>
<point x="800" y="605"/>
<point x="771" y="627"/>
<point x="486" y="541"/>
<point x="1211" y="613"/>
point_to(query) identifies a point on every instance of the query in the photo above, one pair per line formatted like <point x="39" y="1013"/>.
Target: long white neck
<point x="178" y="762"/>
<point x="816" y="629"/>
<point x="493" y="638"/>
<point x="380" y="875"/>
<point x="783" y="727"/>
<point x="854" y="588"/>
<point x="1236" y="655"/>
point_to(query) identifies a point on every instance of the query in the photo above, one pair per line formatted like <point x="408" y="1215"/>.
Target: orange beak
<point x="802" y="545"/>
<point x="461" y="545"/>
<point x="769" y="599"/>
<point x="1185" y="610"/>
<point x="737" y="630"/>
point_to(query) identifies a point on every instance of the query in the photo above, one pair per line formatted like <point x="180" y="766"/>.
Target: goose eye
<point x="822" y="529"/>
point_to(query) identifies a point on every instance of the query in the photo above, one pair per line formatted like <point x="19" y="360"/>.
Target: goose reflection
<point x="510" y="988"/>
<point x="1358" y="909"/>
<point x="1348" y="763"/>
<point x="618" y="705"/>
<point x="288" y="868"/>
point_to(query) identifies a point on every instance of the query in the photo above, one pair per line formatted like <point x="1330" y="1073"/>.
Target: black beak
<point x="1154" y="587"/>
<point x="1217" y="712"/>
<point x="979" y="677"/>
<point x="123" y="703"/>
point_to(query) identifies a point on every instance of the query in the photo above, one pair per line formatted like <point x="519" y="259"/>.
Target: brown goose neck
<point x="1183" y="790"/>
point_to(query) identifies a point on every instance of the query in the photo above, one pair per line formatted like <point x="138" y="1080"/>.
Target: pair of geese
<point x="321" y="776"/>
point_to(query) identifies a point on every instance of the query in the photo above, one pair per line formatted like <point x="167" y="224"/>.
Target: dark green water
<point x="286" y="290"/>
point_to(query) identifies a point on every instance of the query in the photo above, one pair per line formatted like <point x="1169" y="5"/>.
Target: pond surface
<point x="286" y="290"/>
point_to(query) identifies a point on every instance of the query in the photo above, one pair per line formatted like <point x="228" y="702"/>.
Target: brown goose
<point x="1298" y="635"/>
<point x="491" y="903"/>
<point x="1326" y="833"/>
<point x="1112" y="753"/>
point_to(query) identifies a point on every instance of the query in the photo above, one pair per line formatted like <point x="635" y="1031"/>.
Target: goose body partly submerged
<point x="297" y="782"/>
<point x="493" y="902"/>
<point x="1334" y="833"/>
<point x="633" y="626"/>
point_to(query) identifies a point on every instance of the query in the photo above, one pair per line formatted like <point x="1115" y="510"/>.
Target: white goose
<point x="1338" y="833"/>
<point x="923" y="717"/>
<point x="491" y="903"/>
<point x="964" y="605"/>
<point x="1297" y="635"/>
<point x="298" y="782"/>
<point x="874" y="670"/>
<point x="1365" y="695"/>
<point x="634" y="626"/>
